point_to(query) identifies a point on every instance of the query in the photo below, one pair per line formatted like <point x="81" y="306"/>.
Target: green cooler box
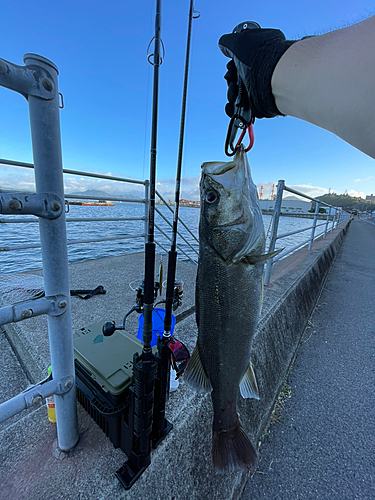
<point x="104" y="373"/>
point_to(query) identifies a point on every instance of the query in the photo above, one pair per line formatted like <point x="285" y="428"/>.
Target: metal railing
<point x="37" y="81"/>
<point x="334" y="218"/>
<point x="145" y="201"/>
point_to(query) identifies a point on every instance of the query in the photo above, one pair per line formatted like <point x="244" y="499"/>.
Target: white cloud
<point x="356" y="194"/>
<point x="365" y="179"/>
<point x="313" y="191"/>
<point x="21" y="180"/>
<point x="17" y="180"/>
<point x="307" y="189"/>
<point x="189" y="187"/>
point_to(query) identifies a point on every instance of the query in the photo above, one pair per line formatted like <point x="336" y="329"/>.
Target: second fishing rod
<point x="166" y="344"/>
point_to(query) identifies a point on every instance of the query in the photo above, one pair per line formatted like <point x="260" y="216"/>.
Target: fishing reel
<point x="178" y="293"/>
<point x="140" y="293"/>
<point x="109" y="327"/>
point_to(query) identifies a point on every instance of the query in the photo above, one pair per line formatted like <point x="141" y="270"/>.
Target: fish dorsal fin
<point x="195" y="376"/>
<point x="248" y="385"/>
<point x="253" y="259"/>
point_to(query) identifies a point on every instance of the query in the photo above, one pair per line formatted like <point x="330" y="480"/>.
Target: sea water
<point x="28" y="234"/>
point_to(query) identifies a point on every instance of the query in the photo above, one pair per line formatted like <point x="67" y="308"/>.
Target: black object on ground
<point x="87" y="294"/>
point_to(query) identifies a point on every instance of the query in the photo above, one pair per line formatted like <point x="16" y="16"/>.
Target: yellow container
<point x="51" y="404"/>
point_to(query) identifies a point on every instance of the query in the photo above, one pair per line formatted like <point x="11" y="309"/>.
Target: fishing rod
<point x="145" y="424"/>
<point x="172" y="255"/>
<point x="160" y="426"/>
<point x="150" y="245"/>
<point x="145" y="365"/>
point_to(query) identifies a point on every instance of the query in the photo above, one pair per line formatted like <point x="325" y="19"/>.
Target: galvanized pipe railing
<point x="337" y="219"/>
<point x="22" y="164"/>
<point x="275" y="226"/>
<point x="37" y="81"/>
<point x="144" y="201"/>
<point x="317" y="206"/>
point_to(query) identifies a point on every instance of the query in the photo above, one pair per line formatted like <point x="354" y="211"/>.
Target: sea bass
<point x="228" y="300"/>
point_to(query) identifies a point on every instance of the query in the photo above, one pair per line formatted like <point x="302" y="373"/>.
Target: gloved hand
<point x="254" y="53"/>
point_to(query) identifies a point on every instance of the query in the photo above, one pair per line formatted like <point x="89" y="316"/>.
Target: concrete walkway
<point x="323" y="445"/>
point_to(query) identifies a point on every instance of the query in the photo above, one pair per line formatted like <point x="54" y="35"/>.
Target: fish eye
<point x="211" y="197"/>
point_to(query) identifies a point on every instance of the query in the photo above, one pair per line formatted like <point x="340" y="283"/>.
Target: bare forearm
<point x="329" y="80"/>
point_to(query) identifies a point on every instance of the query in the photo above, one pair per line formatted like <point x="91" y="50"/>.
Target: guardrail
<point x="145" y="201"/>
<point x="37" y="81"/>
<point x="335" y="217"/>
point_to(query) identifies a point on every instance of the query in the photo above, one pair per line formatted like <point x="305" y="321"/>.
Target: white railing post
<point x="37" y="81"/>
<point x="46" y="142"/>
<point x="314" y="224"/>
<point x="275" y="225"/>
<point x="326" y="226"/>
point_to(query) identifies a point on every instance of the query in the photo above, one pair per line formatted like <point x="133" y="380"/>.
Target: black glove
<point x="254" y="53"/>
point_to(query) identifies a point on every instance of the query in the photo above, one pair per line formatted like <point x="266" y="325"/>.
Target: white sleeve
<point x="329" y="80"/>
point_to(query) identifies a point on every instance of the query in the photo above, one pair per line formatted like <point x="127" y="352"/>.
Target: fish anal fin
<point x="248" y="384"/>
<point x="195" y="376"/>
<point x="254" y="259"/>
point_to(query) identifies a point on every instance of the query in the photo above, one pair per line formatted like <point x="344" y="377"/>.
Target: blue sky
<point x="100" y="50"/>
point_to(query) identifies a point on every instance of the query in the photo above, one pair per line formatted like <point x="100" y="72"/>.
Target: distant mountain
<point x="94" y="193"/>
<point x="348" y="202"/>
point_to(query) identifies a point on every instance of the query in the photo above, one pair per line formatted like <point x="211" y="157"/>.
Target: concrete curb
<point x="280" y="331"/>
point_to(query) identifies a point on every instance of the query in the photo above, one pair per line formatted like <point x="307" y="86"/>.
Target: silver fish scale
<point x="228" y="301"/>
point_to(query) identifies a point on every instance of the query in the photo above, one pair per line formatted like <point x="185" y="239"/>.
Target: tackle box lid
<point x="109" y="360"/>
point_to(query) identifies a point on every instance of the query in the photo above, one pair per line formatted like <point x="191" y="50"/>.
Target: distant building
<point x="189" y="203"/>
<point x="370" y="198"/>
<point x="291" y="206"/>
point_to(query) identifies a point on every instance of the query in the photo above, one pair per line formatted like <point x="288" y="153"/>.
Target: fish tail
<point x="232" y="450"/>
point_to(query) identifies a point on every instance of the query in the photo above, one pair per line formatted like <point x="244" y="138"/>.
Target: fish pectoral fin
<point x="195" y="376"/>
<point x="253" y="259"/>
<point x="248" y="385"/>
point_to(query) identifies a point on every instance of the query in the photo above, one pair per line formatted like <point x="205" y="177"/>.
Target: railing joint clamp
<point x="45" y="205"/>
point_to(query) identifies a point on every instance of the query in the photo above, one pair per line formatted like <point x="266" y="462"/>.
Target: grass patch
<point x="285" y="394"/>
<point x="276" y="415"/>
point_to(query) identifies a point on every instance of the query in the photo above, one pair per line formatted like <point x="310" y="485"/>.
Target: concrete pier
<point x="181" y="468"/>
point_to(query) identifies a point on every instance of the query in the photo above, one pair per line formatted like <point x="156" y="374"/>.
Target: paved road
<point x="324" y="446"/>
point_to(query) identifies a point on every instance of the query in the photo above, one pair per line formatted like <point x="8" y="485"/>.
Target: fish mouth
<point x="217" y="167"/>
